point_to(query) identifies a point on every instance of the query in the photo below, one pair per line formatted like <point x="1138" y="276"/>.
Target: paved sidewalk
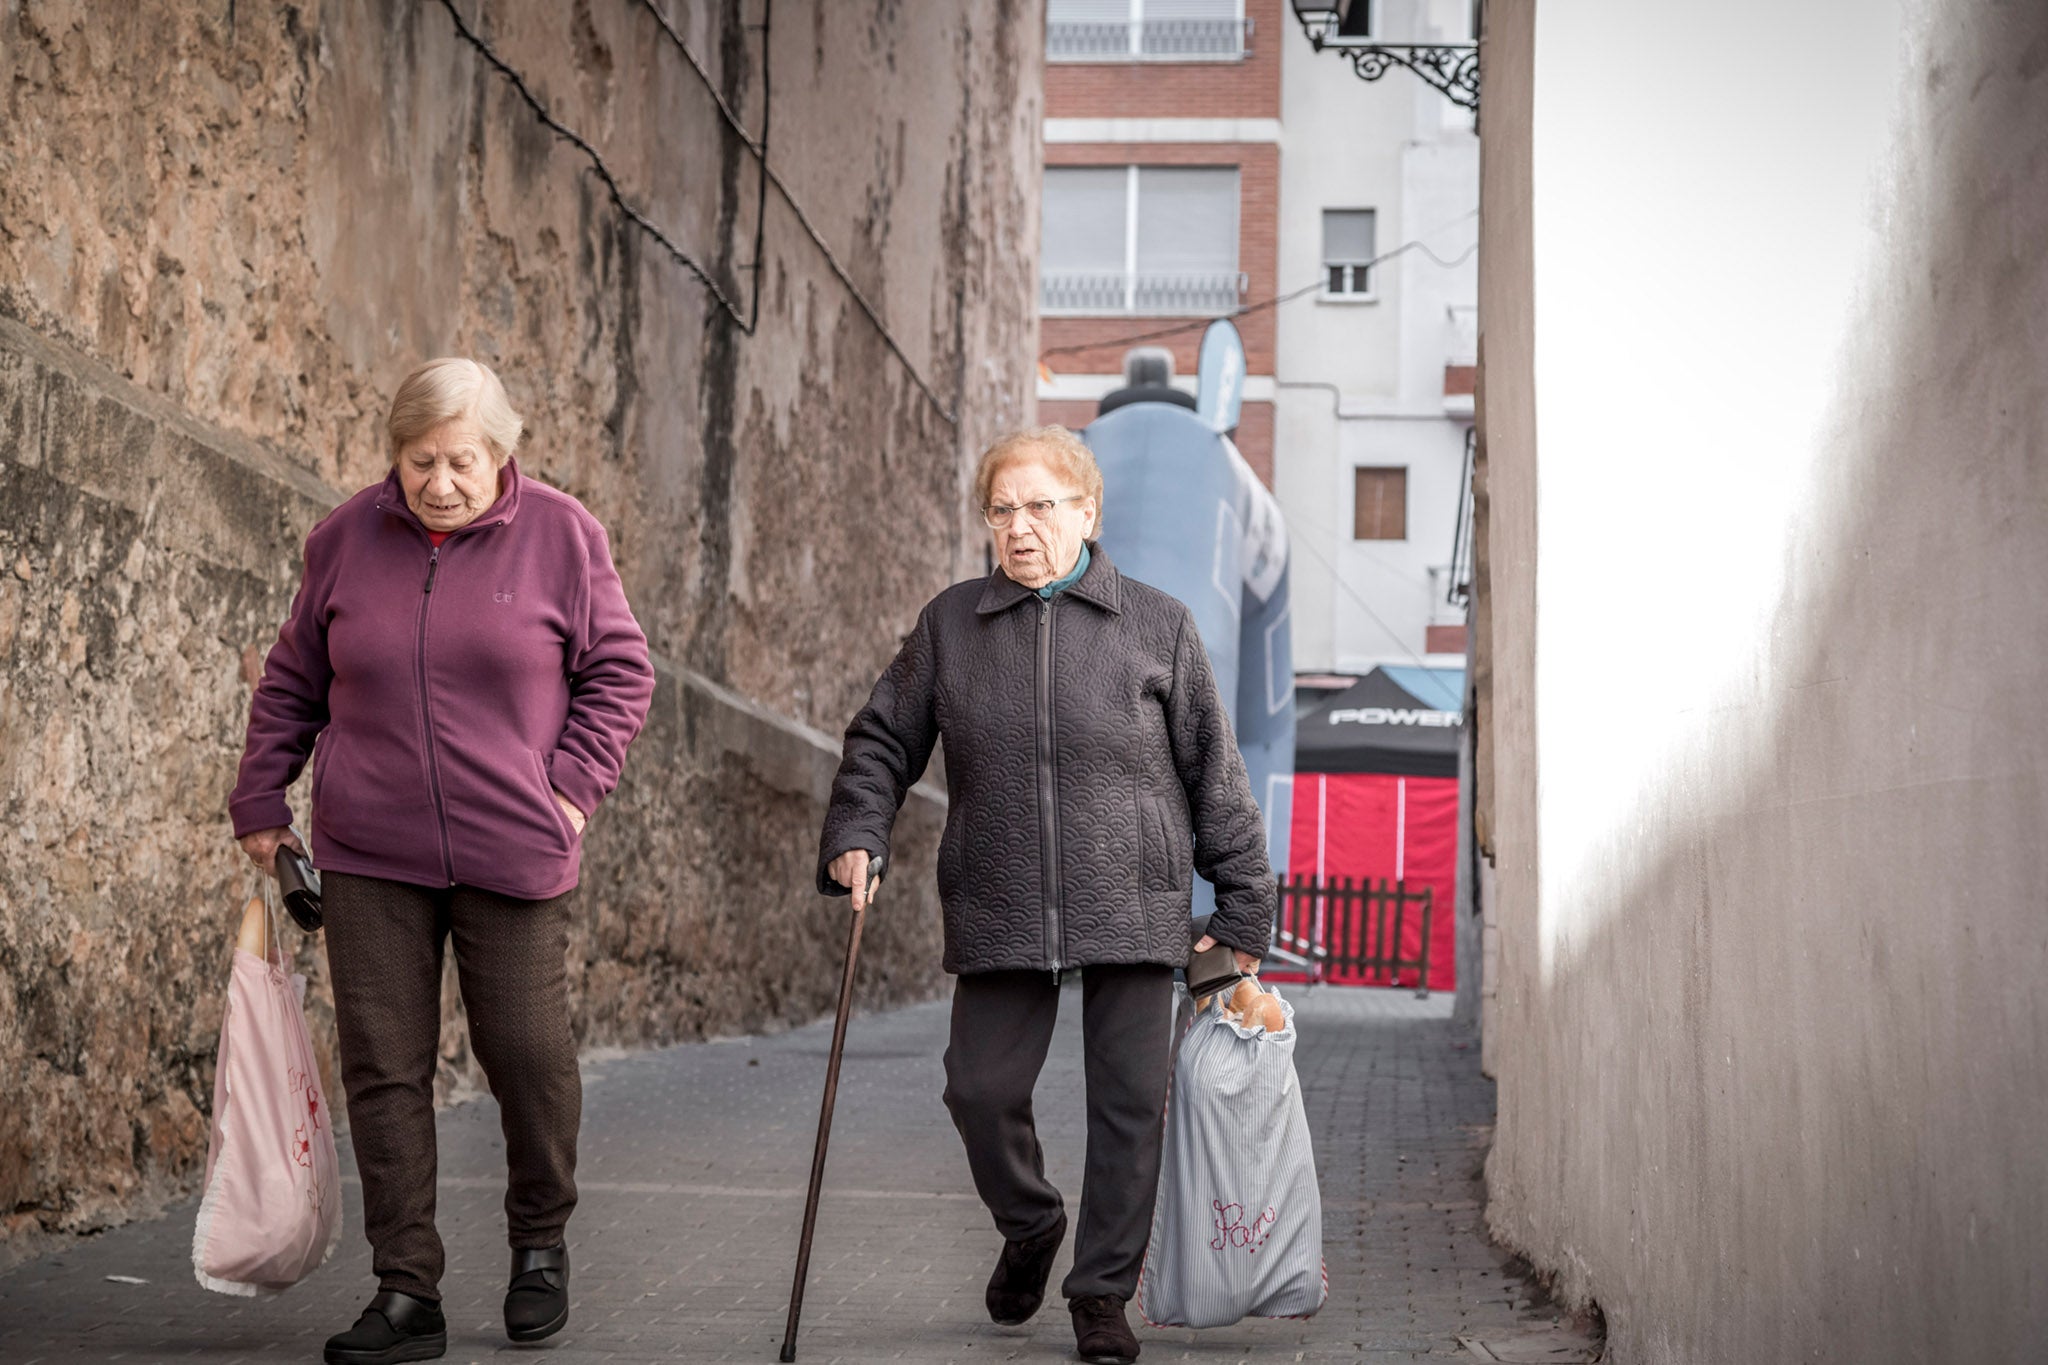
<point x="693" y="1167"/>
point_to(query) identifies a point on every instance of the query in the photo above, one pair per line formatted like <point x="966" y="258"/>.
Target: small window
<point x="1380" y="511"/>
<point x="1349" y="237"/>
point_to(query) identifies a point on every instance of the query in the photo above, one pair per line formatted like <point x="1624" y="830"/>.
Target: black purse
<point x="300" y="884"/>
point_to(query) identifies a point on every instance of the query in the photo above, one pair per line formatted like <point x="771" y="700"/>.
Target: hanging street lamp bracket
<point x="1452" y="68"/>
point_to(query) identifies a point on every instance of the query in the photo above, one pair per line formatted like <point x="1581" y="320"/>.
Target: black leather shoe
<point x="1018" y="1286"/>
<point x="394" y="1327"/>
<point x="537" y="1303"/>
<point x="1101" y="1335"/>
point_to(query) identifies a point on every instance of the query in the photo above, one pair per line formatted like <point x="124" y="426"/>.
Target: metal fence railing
<point x="1171" y="295"/>
<point x="1077" y="293"/>
<point x="1085" y="42"/>
<point x="1352" y="932"/>
<point x="1192" y="37"/>
<point x="1153" y="39"/>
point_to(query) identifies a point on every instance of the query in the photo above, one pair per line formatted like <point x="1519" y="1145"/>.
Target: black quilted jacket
<point x="1092" y="770"/>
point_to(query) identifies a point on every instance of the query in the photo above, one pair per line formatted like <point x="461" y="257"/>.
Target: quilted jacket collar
<point x="1101" y="584"/>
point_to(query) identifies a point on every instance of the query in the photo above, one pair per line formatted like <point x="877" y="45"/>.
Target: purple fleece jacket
<point x="450" y="688"/>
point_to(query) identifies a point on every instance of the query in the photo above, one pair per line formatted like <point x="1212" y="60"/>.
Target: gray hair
<point x="444" y="389"/>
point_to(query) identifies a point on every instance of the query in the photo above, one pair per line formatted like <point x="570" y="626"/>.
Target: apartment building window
<point x="1349" y="244"/>
<point x="1380" y="507"/>
<point x="1159" y="240"/>
<point x="1144" y="30"/>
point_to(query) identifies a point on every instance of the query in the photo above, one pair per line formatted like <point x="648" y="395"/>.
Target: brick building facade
<point x="1263" y="180"/>
<point x="1215" y="107"/>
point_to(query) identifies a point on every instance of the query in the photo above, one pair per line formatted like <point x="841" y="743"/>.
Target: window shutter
<point x="1187" y="239"/>
<point x="1348" y="236"/>
<point x="1162" y="11"/>
<point x="1187" y="220"/>
<point x="1380" y="509"/>
<point x="1088" y="11"/>
<point x="1084" y="220"/>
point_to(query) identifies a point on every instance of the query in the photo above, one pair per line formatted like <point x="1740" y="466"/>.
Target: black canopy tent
<point x="1378" y="726"/>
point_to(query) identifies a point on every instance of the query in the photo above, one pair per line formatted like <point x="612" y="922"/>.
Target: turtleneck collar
<point x="1067" y="579"/>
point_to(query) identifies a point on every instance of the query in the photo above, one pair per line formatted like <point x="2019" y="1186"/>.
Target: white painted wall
<point x="1361" y="383"/>
<point x="1771" y="1030"/>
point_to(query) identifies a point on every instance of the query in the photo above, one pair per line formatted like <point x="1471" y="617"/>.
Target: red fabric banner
<point x="1361" y="825"/>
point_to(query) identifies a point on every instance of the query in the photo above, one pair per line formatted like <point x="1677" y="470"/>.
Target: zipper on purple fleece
<point x="427" y="714"/>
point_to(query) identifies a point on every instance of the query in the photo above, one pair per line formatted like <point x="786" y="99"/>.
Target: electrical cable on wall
<point x="604" y="173"/>
<point x="675" y="252"/>
<point x="1363" y="605"/>
<point x="759" y="147"/>
<point x="760" y="152"/>
<point x="1416" y="244"/>
<point x="1197" y="324"/>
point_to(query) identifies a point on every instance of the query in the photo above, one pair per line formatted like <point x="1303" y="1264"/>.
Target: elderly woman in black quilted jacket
<point x="1092" y="771"/>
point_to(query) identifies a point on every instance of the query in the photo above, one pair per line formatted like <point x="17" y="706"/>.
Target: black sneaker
<point x="394" y="1327"/>
<point x="537" y="1303"/>
<point x="1101" y="1335"/>
<point x="1017" y="1287"/>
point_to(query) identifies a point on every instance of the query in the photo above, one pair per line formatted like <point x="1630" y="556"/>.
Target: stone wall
<point x="226" y="231"/>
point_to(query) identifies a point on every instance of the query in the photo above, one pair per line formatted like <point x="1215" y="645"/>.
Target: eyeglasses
<point x="998" y="516"/>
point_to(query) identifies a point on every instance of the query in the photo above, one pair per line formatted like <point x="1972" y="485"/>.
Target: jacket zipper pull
<point x="433" y="564"/>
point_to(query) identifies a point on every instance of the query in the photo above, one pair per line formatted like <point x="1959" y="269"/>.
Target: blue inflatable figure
<point x="1184" y="512"/>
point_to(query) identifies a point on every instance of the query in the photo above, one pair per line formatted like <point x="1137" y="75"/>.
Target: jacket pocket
<point x="323" y="759"/>
<point x="1168" y="852"/>
<point x="563" y="824"/>
<point x="949" y="862"/>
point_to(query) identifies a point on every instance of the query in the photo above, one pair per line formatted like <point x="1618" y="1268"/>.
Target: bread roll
<point x="254" y="926"/>
<point x="1267" y="1013"/>
<point x="1247" y="991"/>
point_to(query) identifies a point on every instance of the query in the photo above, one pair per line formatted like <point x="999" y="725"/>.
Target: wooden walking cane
<point x="803" y="1247"/>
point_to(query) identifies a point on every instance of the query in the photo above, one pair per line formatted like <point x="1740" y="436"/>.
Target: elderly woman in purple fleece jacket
<point x="462" y="649"/>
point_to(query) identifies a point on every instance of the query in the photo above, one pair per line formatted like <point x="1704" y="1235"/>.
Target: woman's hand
<point x="850" y="870"/>
<point x="261" y="846"/>
<point x="576" y="817"/>
<point x="1246" y="963"/>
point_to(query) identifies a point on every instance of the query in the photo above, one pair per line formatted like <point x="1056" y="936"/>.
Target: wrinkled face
<point x="448" y="475"/>
<point x="1035" y="550"/>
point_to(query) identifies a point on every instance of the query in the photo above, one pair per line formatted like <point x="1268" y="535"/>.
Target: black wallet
<point x="1214" y="969"/>
<point x="300" y="885"/>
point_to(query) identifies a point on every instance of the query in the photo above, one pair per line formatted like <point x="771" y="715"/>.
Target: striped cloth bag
<point x="1237" y="1227"/>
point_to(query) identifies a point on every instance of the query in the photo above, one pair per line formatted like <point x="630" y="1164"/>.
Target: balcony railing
<point x="1169" y="38"/>
<point x="1180" y="295"/>
<point x="1157" y="40"/>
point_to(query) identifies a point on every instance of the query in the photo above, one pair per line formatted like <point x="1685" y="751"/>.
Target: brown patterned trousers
<point x="384" y="945"/>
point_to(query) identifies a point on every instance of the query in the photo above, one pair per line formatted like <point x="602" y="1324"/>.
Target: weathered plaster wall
<point x="1770" y="1036"/>
<point x="226" y="231"/>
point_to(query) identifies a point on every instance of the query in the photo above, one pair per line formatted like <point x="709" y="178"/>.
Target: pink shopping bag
<point x="272" y="1209"/>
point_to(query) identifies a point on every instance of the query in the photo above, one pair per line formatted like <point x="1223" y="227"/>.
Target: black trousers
<point x="384" y="946"/>
<point x="1002" y="1026"/>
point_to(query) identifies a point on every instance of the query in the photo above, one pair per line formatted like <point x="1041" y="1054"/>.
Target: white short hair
<point x="447" y="388"/>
